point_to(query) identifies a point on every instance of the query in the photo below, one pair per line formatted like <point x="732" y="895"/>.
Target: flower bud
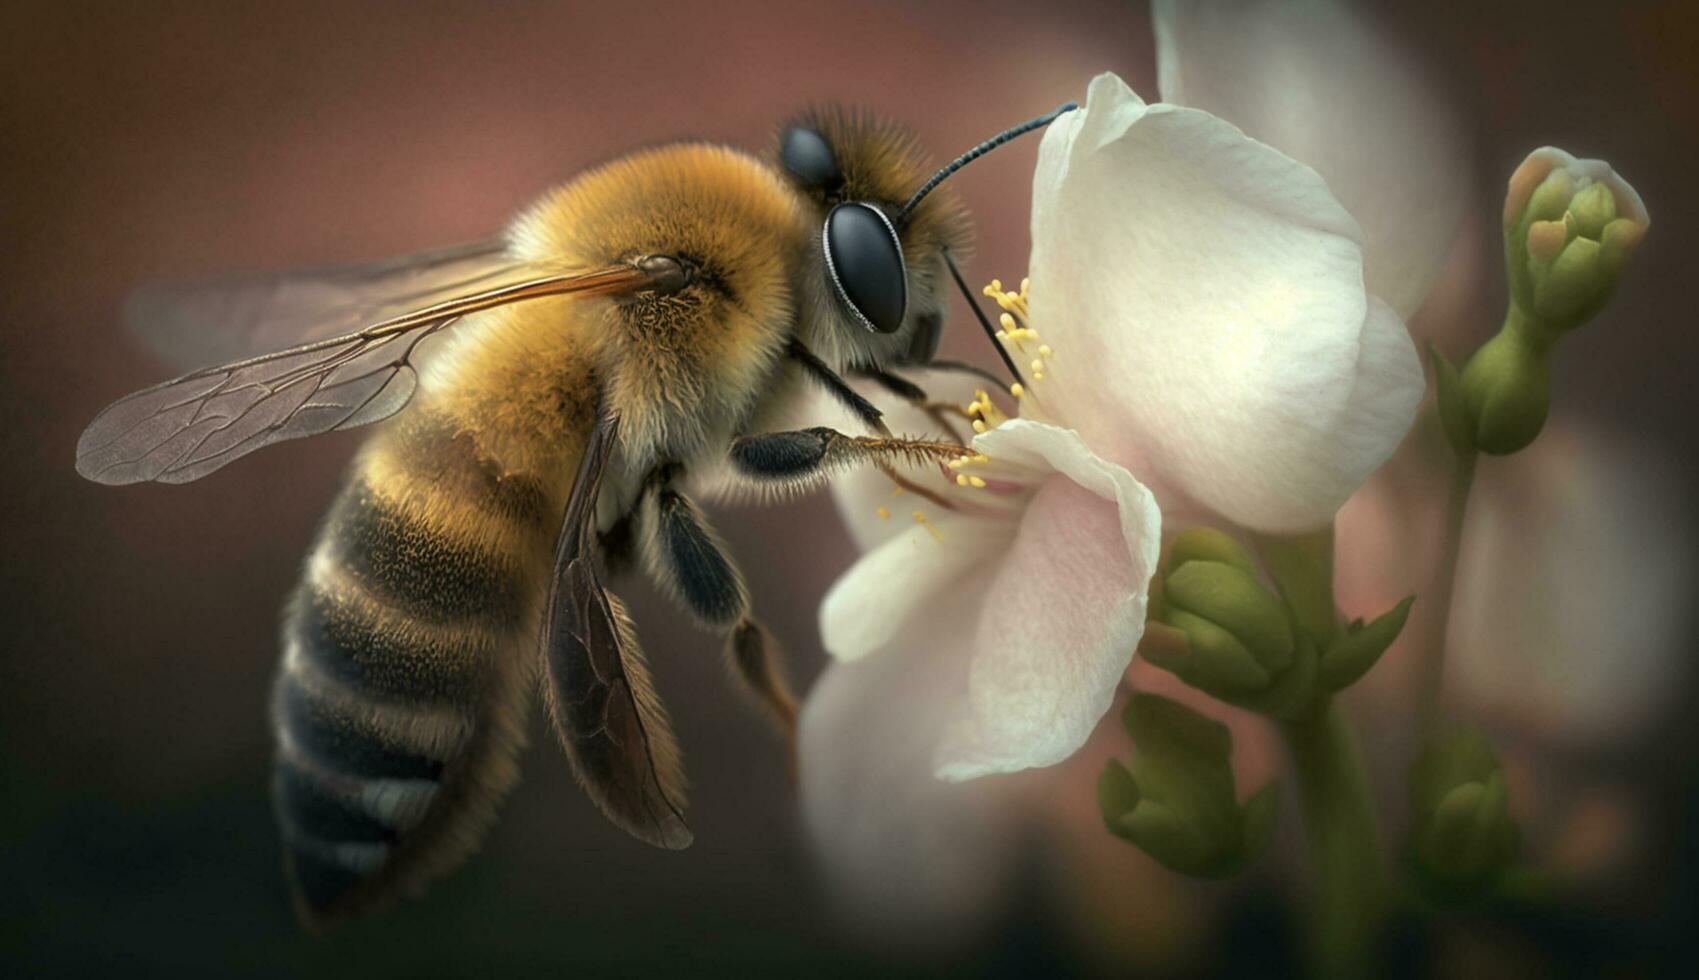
<point x="1177" y="802"/>
<point x="1569" y="227"/>
<point x="1219" y="629"/>
<point x="1461" y="837"/>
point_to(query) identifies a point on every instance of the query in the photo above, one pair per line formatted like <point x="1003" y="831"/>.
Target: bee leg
<point x="840" y="389"/>
<point x="803" y="456"/>
<point x="687" y="560"/>
<point x="942" y="414"/>
<point x="758" y="662"/>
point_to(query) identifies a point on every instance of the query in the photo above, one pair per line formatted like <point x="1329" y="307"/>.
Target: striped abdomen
<point x="407" y="660"/>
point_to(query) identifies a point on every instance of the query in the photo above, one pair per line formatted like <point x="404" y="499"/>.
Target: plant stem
<point x="1431" y="668"/>
<point x="1339" y="818"/>
<point x="1302" y="566"/>
<point x="1344" y="840"/>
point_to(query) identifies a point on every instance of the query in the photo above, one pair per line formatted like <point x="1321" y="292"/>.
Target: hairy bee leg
<point x="802" y="456"/>
<point x="840" y="389"/>
<point x="752" y="652"/>
<point x="687" y="559"/>
<point x="939" y="412"/>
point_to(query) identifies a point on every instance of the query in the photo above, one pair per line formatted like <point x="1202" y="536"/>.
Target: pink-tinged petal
<point x="907" y="857"/>
<point x="1063" y="611"/>
<point x="873" y="605"/>
<point x="1316" y="82"/>
<point x="1203" y="295"/>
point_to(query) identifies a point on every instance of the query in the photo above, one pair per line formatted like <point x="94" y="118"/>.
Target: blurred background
<point x="166" y="140"/>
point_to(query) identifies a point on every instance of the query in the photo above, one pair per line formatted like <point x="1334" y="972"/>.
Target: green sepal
<point x="1453" y="408"/>
<point x="1177" y="802"/>
<point x="1360" y="647"/>
<point x="1507" y="387"/>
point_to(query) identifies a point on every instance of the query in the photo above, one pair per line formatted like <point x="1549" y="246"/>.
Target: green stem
<point x="1302" y="566"/>
<point x="1339" y="818"/>
<point x="1344" y="840"/>
<point x="1431" y="668"/>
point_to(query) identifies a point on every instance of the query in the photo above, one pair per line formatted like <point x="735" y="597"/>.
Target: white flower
<point x="1314" y="81"/>
<point x="1200" y="336"/>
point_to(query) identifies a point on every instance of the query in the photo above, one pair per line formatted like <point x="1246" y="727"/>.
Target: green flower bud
<point x="1177" y="802"/>
<point x="1569" y="227"/>
<point x="1219" y="629"/>
<point x="1462" y="837"/>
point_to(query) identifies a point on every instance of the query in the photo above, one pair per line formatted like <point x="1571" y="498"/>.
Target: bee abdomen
<point x="398" y="646"/>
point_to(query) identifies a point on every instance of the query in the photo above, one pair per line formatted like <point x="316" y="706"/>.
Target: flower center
<point x="1005" y="484"/>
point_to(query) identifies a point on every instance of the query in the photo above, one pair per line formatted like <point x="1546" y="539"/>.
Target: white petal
<point x="1063" y="612"/>
<point x="877" y="600"/>
<point x="1314" y="80"/>
<point x="1203" y="295"/>
<point x="906" y="856"/>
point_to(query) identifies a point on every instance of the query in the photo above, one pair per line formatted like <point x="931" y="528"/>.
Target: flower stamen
<point x="1016" y="330"/>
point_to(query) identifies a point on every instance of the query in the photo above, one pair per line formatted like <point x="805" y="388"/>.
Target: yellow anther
<point x="1008" y="322"/>
<point x="884" y="514"/>
<point x="1044" y="350"/>
<point x="956" y="464"/>
<point x="1016" y="389"/>
<point x="1037" y="366"/>
<point x="977" y="481"/>
<point x="961" y="480"/>
<point x="978" y="425"/>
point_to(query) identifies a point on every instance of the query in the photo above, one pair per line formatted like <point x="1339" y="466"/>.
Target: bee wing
<point x="186" y="428"/>
<point x="232" y="318"/>
<point x="604" y="706"/>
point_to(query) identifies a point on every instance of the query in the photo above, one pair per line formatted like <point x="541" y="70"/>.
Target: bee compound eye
<point x="865" y="261"/>
<point x="809" y="158"/>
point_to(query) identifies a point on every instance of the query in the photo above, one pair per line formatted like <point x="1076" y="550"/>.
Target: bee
<point x="637" y="326"/>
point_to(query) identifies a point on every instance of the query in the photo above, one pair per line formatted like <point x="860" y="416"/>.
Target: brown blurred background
<point x="152" y="141"/>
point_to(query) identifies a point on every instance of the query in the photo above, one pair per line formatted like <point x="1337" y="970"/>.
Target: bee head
<point x="878" y="283"/>
<point x="886" y="238"/>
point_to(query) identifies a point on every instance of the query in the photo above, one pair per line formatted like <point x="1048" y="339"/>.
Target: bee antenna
<point x="979" y="151"/>
<point x="990" y="331"/>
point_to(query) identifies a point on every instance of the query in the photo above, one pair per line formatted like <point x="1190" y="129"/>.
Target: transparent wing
<point x="605" y="709"/>
<point x="184" y="429"/>
<point x="231" y="318"/>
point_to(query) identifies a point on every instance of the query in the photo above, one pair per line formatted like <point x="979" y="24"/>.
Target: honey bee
<point x="637" y="325"/>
